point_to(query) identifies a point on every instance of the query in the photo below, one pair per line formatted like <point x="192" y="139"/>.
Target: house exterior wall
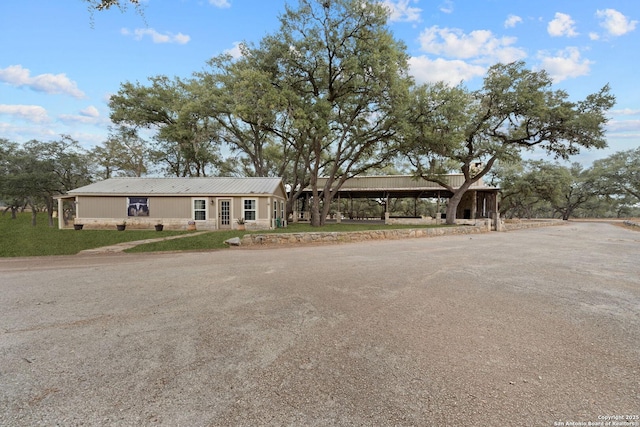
<point x="174" y="212"/>
<point x="116" y="207"/>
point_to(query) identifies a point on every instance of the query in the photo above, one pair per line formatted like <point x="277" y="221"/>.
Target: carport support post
<point x="386" y="209"/>
<point x="497" y="223"/>
<point x="339" y="214"/>
<point x="474" y="204"/>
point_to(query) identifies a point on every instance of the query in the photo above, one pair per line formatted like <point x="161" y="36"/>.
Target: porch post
<point x="474" y="204"/>
<point x="60" y="213"/>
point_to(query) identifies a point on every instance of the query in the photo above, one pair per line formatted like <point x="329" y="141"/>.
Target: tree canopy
<point x="516" y="109"/>
<point x="620" y="173"/>
<point x="108" y="4"/>
<point x="345" y="80"/>
<point x="32" y="174"/>
<point x="186" y="133"/>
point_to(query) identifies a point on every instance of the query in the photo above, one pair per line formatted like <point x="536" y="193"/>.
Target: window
<point x="250" y="209"/>
<point x="199" y="209"/>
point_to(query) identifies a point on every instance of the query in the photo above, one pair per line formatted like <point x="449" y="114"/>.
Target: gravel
<point x="537" y="327"/>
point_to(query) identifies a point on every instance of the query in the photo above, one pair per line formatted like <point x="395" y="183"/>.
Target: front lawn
<point x="19" y="238"/>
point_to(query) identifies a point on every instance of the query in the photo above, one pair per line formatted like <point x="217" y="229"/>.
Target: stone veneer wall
<point x="530" y="223"/>
<point x="355" y="236"/>
<point x="360" y="236"/>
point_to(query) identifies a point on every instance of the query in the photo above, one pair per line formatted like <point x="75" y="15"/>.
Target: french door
<point x="224" y="214"/>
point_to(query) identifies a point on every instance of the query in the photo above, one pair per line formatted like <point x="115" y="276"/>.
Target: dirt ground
<point x="537" y="327"/>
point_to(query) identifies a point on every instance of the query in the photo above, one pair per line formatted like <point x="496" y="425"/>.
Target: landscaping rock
<point x="234" y="241"/>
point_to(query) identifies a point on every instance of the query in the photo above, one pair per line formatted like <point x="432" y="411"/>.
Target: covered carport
<point x="480" y="201"/>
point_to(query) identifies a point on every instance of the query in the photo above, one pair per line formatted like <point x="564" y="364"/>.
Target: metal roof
<point x="399" y="186"/>
<point x="188" y="186"/>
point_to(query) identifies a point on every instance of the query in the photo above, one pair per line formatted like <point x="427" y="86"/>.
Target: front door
<point x="224" y="214"/>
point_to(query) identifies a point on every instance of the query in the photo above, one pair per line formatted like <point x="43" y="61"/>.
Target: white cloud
<point x="424" y="70"/>
<point x="235" y="50"/>
<point x="90" y="111"/>
<point x="481" y="45"/>
<point x="17" y="76"/>
<point x="401" y="11"/>
<point x="624" y="126"/>
<point x="512" y="21"/>
<point x="447" y="6"/>
<point x="220" y="3"/>
<point x="565" y="64"/>
<point x="31" y="113"/>
<point x="156" y="37"/>
<point x="594" y="36"/>
<point x="89" y="115"/>
<point x="562" y="25"/>
<point x="615" y="22"/>
<point x="625" y="112"/>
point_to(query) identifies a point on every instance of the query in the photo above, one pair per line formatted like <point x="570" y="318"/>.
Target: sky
<point x="59" y="63"/>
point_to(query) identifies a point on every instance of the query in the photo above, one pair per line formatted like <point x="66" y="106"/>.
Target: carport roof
<point x="180" y="186"/>
<point x="400" y="186"/>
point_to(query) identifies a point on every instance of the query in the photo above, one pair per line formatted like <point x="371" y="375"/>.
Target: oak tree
<point x="515" y="110"/>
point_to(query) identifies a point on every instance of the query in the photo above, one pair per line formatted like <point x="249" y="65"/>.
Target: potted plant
<point x="121" y="226"/>
<point x="78" y="226"/>
<point x="159" y="226"/>
<point x="241" y="223"/>
<point x="191" y="225"/>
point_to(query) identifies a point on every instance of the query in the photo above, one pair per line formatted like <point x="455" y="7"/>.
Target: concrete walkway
<point x="121" y="247"/>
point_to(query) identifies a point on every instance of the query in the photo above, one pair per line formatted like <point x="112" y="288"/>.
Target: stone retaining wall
<point x="355" y="236"/>
<point x="521" y="224"/>
<point x="632" y="223"/>
<point x="360" y="236"/>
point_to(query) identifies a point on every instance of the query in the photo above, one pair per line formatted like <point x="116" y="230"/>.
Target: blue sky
<point x="59" y="64"/>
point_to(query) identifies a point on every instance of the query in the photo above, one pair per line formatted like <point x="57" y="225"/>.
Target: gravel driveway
<point x="536" y="327"/>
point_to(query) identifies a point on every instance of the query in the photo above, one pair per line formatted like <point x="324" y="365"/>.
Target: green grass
<point x="216" y="239"/>
<point x="18" y="238"/>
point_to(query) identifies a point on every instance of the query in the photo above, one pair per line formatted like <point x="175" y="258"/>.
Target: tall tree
<point x="538" y="188"/>
<point x="38" y="171"/>
<point x="345" y="78"/>
<point x="124" y="153"/>
<point x="10" y="193"/>
<point x="518" y="196"/>
<point x="254" y="114"/>
<point x="240" y="97"/>
<point x="515" y="110"/>
<point x="620" y="174"/>
<point x="185" y="131"/>
<point x="566" y="188"/>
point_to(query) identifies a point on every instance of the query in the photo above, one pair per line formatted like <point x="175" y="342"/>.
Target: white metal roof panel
<point x="187" y="186"/>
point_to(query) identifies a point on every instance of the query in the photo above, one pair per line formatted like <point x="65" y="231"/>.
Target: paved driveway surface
<point x="527" y="328"/>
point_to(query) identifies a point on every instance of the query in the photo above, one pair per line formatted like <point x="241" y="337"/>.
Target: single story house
<point x="215" y="203"/>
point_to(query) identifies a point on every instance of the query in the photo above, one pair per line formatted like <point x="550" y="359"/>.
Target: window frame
<point x="254" y="210"/>
<point x="194" y="209"/>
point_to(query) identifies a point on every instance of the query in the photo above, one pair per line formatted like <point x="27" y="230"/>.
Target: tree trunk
<point x="34" y="216"/>
<point x="315" y="212"/>
<point x="454" y="201"/>
<point x="50" y="211"/>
